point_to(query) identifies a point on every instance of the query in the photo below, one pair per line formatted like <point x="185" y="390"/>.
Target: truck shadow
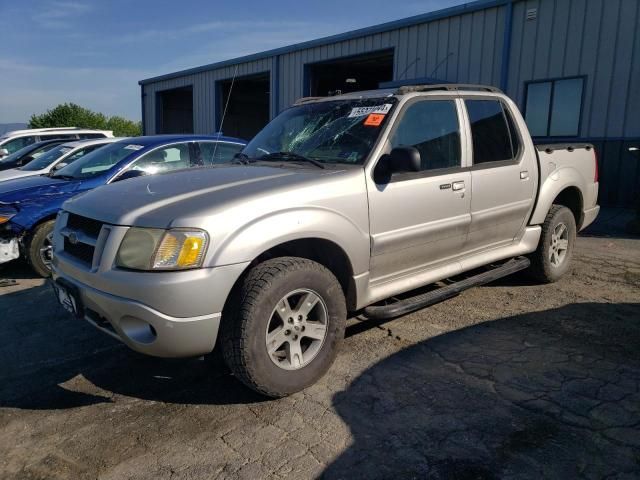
<point x="545" y="394"/>
<point x="51" y="361"/>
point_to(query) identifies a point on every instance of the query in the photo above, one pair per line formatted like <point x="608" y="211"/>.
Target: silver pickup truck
<point x="337" y="206"/>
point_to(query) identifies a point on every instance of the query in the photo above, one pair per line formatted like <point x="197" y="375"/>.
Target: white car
<point x="56" y="158"/>
<point x="13" y="141"/>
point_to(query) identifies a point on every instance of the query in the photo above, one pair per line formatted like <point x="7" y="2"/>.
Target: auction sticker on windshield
<point x="133" y="147"/>
<point x="362" y="111"/>
<point x="374" y="120"/>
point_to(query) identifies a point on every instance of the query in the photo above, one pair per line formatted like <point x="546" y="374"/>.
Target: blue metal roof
<point x="382" y="27"/>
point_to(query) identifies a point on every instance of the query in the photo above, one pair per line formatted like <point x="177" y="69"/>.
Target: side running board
<point x="407" y="305"/>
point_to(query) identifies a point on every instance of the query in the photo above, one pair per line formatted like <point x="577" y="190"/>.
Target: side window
<point x="553" y="107"/>
<point x="432" y="127"/>
<point x="55" y="136"/>
<point x="218" y="152"/>
<point x="18" y="143"/>
<point x="173" y="157"/>
<point x="80" y="153"/>
<point x="489" y="131"/>
<point x="90" y="135"/>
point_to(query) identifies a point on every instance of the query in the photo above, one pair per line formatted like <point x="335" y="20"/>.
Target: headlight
<point x="156" y="249"/>
<point x="5" y="217"/>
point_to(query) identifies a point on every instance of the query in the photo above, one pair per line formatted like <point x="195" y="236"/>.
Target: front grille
<point x="88" y="226"/>
<point x="80" y="251"/>
<point x="80" y="236"/>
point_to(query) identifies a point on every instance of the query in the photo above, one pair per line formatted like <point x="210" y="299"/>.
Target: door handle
<point x="524" y="175"/>
<point x="457" y="186"/>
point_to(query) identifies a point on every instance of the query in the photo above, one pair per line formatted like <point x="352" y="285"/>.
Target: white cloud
<point x="60" y="14"/>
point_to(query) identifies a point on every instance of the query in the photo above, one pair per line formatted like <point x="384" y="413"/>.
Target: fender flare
<point x="261" y="234"/>
<point x="556" y="183"/>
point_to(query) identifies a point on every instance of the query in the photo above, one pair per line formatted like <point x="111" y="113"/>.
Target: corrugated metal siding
<point x="204" y="91"/>
<point x="594" y="38"/>
<point x="441" y="48"/>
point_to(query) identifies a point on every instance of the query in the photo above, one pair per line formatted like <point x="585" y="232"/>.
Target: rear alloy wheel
<point x="283" y="325"/>
<point x="40" y="248"/>
<point x="552" y="259"/>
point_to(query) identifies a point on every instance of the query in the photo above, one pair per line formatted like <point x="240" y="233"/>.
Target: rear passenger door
<point x="420" y="219"/>
<point x="502" y="176"/>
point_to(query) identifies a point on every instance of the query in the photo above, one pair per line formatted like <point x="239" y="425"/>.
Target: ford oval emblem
<point x="73" y="238"/>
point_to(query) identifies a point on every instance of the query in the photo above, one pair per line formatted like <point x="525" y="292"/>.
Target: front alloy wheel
<point x="297" y="329"/>
<point x="283" y="325"/>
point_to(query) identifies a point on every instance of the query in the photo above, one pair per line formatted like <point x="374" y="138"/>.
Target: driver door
<point x="421" y="219"/>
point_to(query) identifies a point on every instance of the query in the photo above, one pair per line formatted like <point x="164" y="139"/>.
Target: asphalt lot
<point x="510" y="380"/>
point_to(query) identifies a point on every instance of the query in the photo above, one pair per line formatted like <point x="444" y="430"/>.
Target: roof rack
<point x="302" y="100"/>
<point x="453" y="87"/>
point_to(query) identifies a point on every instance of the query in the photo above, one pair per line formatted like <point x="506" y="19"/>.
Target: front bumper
<point x="143" y="328"/>
<point x="164" y="314"/>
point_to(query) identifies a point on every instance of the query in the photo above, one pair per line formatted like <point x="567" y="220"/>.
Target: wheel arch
<point x="563" y="190"/>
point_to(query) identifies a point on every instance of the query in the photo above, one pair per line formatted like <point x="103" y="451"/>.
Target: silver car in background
<point x="56" y="158"/>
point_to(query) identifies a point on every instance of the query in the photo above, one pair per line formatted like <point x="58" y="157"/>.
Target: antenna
<point x="408" y="67"/>
<point x="224" y="113"/>
<point x="440" y="64"/>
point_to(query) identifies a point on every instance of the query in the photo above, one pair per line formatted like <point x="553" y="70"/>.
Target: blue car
<point x="28" y="206"/>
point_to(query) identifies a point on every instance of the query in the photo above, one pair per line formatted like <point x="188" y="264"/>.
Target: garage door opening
<point x="351" y="74"/>
<point x="248" y="107"/>
<point x="175" y="111"/>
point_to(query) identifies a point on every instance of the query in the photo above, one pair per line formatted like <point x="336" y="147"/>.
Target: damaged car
<point x="28" y="206"/>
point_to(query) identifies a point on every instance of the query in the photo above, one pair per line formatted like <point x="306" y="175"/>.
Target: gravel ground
<point x="510" y="380"/>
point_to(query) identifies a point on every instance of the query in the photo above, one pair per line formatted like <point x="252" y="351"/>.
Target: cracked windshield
<point x="341" y="131"/>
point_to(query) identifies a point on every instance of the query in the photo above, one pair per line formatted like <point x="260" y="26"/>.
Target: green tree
<point x="72" y="115"/>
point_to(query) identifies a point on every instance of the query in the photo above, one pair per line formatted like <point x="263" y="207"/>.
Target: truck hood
<point x="158" y="200"/>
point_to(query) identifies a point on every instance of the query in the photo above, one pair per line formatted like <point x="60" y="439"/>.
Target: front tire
<point x="553" y="257"/>
<point x="40" y="248"/>
<point x="283" y="325"/>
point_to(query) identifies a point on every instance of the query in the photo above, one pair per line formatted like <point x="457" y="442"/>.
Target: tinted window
<point x="173" y="157"/>
<point x="553" y="107"/>
<point x="52" y="136"/>
<point x="91" y="135"/>
<point x="217" y="152"/>
<point x="99" y="161"/>
<point x="43" y="161"/>
<point x="432" y="127"/>
<point x="489" y="131"/>
<point x="18" y="143"/>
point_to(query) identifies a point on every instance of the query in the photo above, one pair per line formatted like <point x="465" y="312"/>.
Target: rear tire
<point x="40" y="248"/>
<point x="553" y="257"/>
<point x="283" y="325"/>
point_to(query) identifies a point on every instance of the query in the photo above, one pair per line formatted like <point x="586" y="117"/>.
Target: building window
<point x="553" y="107"/>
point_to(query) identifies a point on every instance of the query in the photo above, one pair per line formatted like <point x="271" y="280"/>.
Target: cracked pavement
<point x="510" y="380"/>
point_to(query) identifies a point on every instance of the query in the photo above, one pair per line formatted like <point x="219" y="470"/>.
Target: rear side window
<point x="431" y="126"/>
<point x="91" y="135"/>
<point x="218" y="152"/>
<point x="491" y="132"/>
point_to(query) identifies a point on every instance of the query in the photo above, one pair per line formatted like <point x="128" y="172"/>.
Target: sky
<point x="93" y="53"/>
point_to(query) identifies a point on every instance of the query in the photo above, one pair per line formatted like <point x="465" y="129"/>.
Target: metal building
<point x="573" y="67"/>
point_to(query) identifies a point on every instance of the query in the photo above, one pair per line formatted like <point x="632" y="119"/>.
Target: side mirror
<point x="60" y="165"/>
<point x="400" y="160"/>
<point x="130" y="174"/>
<point x="3" y="152"/>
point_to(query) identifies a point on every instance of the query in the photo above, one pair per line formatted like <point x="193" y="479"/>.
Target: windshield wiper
<point x="291" y="156"/>
<point x="241" y="158"/>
